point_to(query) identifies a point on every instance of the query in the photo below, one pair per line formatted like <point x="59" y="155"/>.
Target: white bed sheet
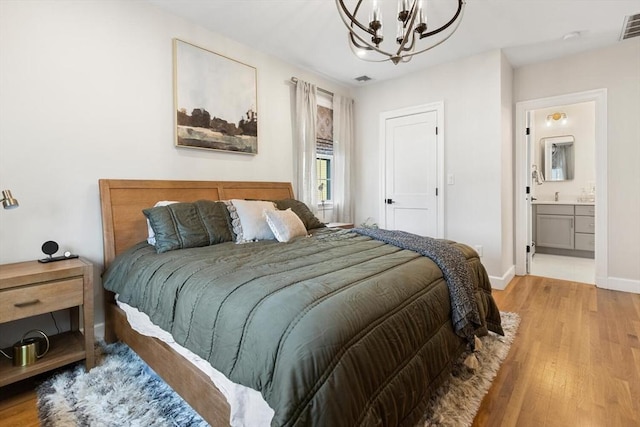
<point x="248" y="408"/>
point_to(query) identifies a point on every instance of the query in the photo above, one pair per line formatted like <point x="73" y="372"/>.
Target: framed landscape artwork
<point x="215" y="101"/>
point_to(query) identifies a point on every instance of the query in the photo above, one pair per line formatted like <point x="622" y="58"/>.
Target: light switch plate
<point x="451" y="179"/>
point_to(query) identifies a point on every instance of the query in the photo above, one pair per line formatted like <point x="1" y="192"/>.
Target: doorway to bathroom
<point x="560" y="165"/>
<point x="562" y="192"/>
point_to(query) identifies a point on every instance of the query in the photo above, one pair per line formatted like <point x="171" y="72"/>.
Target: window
<point x="324" y="151"/>
<point x="323" y="168"/>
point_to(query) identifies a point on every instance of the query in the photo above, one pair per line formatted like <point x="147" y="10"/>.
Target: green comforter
<point x="334" y="330"/>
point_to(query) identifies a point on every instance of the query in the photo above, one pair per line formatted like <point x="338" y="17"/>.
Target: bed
<point x="362" y="352"/>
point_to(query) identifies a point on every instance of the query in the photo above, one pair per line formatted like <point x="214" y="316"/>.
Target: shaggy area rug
<point x="123" y="391"/>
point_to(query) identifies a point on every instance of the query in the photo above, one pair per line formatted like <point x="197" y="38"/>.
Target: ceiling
<point x="309" y="33"/>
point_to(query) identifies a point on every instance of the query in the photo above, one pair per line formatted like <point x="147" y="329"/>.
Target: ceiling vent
<point x="631" y="27"/>
<point x="363" y="78"/>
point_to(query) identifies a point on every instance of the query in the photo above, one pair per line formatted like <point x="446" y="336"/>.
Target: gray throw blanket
<point x="454" y="268"/>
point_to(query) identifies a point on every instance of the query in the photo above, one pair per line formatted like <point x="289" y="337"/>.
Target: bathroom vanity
<point x="562" y="228"/>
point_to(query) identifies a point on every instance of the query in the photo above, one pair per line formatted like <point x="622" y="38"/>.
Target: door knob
<point x="389" y="201"/>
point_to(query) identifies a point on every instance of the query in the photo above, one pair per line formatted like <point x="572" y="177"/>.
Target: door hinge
<point x="528" y="249"/>
<point x="436" y="191"/>
<point x="528" y="131"/>
<point x="436" y="130"/>
<point x="528" y="190"/>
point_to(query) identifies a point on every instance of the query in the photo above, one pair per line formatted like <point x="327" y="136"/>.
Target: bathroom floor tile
<point x="565" y="268"/>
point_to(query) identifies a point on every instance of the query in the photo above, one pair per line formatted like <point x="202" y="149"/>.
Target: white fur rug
<point x="123" y="391"/>
<point x="456" y="403"/>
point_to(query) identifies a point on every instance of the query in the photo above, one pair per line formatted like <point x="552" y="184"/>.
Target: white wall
<point x="617" y="69"/>
<point x="581" y="125"/>
<point x="86" y="93"/>
<point x="478" y="207"/>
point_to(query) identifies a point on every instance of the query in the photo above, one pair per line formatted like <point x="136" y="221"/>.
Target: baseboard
<point x="502" y="282"/>
<point x="619" y="284"/>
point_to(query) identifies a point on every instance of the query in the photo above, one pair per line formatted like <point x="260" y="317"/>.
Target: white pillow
<point x="152" y="236"/>
<point x="252" y="220"/>
<point x="285" y="225"/>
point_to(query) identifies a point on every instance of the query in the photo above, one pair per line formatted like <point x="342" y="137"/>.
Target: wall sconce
<point x="555" y="117"/>
<point x="8" y="202"/>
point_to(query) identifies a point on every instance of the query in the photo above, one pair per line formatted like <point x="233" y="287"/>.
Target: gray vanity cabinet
<point x="565" y="229"/>
<point x="555" y="227"/>
<point x="585" y="228"/>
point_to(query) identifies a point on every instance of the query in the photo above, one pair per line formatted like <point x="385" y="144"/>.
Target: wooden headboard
<point x="122" y="202"/>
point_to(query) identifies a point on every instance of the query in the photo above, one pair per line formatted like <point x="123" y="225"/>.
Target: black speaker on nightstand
<point x="49" y="248"/>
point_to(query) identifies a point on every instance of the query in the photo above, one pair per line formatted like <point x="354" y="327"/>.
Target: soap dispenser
<point x="583" y="195"/>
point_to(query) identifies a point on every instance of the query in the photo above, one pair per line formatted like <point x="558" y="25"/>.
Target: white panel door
<point x="411" y="174"/>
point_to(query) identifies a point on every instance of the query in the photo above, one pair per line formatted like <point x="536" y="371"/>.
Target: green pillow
<point x="189" y="225"/>
<point x="308" y="218"/>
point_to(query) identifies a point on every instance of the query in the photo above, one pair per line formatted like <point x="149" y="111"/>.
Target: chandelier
<point x="412" y="26"/>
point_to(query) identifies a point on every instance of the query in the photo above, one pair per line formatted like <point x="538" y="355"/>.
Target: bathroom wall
<point x="581" y="124"/>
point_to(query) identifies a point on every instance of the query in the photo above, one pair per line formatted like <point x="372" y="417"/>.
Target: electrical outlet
<point x="478" y="249"/>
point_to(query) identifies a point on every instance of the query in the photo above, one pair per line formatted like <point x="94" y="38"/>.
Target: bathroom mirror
<point x="557" y="157"/>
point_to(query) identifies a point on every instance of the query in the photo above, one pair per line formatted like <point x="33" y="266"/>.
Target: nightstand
<point x="31" y="288"/>
<point x="344" y="225"/>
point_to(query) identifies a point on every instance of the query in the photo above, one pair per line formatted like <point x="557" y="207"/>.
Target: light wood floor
<point x="575" y="361"/>
<point x="18" y="405"/>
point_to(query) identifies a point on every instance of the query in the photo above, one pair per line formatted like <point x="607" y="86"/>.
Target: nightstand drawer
<point x="18" y="303"/>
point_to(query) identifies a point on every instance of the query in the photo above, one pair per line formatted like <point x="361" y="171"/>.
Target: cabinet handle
<point x="26" y="303"/>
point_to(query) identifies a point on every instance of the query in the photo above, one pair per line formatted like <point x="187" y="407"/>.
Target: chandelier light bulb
<point x="422" y="20"/>
<point x="403" y="10"/>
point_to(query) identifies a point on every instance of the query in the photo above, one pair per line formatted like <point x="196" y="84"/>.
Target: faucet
<point x="557" y="196"/>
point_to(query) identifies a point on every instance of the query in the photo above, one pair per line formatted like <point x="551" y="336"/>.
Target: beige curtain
<point x="305" y="144"/>
<point x="342" y="155"/>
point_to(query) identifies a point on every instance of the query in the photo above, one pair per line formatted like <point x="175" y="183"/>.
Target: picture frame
<point x="215" y="101"/>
